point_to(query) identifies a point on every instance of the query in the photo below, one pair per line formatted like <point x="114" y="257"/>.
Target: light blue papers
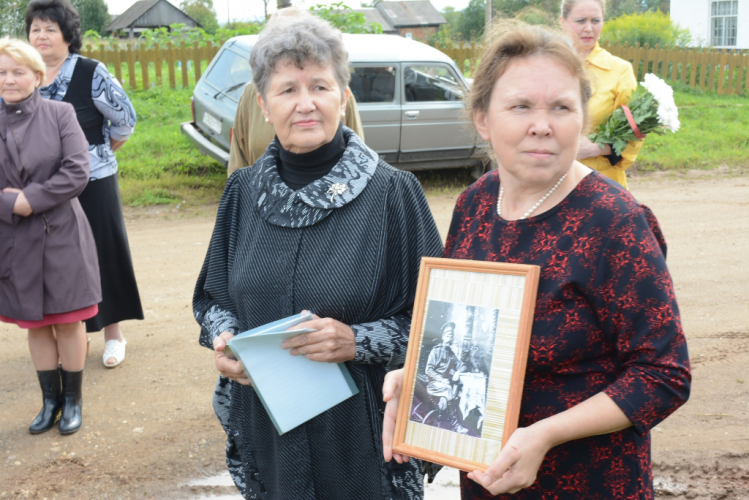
<point x="293" y="389"/>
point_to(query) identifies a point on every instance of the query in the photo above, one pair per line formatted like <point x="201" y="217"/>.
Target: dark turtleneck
<point x="300" y="170"/>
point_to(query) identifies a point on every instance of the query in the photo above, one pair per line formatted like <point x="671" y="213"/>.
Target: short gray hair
<point x="297" y="36"/>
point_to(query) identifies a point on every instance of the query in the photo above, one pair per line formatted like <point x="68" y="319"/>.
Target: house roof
<point x="411" y="13"/>
<point x="150" y="14"/>
<point x="375" y="16"/>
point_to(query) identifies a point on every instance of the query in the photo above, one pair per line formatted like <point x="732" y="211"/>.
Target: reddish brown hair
<point x="514" y="41"/>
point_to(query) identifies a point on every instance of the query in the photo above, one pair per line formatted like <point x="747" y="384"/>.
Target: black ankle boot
<point x="49" y="380"/>
<point x="72" y="401"/>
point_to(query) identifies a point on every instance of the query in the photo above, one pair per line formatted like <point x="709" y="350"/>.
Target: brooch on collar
<point x="335" y="189"/>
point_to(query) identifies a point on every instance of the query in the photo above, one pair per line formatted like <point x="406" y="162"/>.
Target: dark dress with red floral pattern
<point x="606" y="320"/>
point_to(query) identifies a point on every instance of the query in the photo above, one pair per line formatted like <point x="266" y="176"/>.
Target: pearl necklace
<point x="534" y="207"/>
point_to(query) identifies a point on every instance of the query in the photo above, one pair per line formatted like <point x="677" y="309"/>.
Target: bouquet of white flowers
<point x="651" y="109"/>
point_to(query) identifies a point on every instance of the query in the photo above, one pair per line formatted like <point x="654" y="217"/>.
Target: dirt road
<point x="148" y="424"/>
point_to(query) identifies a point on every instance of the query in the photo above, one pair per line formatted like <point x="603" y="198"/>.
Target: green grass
<point x="714" y="133"/>
<point x="159" y="165"/>
<point x="444" y="181"/>
<point x="152" y="79"/>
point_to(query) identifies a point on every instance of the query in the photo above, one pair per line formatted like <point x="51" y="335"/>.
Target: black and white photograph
<point x="453" y="367"/>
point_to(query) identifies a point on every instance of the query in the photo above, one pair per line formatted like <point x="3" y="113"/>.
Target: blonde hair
<point x="23" y="53"/>
<point x="568" y="5"/>
<point x="513" y="40"/>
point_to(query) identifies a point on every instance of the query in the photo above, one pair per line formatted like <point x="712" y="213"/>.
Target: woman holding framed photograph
<point x="608" y="358"/>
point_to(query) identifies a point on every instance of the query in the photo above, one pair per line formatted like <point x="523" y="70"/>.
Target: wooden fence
<point x="709" y="69"/>
<point x="181" y="60"/>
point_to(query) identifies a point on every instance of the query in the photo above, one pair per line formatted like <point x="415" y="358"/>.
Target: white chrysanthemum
<point x="668" y="113"/>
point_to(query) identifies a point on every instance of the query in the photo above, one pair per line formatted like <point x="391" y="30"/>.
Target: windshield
<point x="230" y="74"/>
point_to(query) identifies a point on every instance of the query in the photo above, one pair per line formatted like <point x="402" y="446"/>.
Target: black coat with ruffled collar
<point x="347" y="246"/>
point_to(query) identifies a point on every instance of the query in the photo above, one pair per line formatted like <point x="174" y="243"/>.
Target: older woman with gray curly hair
<point x="320" y="224"/>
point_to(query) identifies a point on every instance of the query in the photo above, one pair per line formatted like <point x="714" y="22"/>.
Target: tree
<point x="472" y="22"/>
<point x="343" y="18"/>
<point x="202" y="11"/>
<point x="12" y="18"/>
<point x="647" y="27"/>
<point x="535" y="15"/>
<point x="94" y="14"/>
<point x="265" y="8"/>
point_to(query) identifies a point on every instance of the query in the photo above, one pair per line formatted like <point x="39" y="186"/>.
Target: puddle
<point x="446" y="486"/>
<point x="667" y="486"/>
<point x="223" y="479"/>
<point x="215" y="488"/>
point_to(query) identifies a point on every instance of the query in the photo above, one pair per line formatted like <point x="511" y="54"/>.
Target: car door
<point x="433" y="125"/>
<point x="376" y="89"/>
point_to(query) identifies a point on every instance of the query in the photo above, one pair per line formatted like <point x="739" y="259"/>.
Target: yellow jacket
<point x="613" y="82"/>
<point x="251" y="135"/>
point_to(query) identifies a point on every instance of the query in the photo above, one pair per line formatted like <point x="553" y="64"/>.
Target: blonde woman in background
<point x="613" y="82"/>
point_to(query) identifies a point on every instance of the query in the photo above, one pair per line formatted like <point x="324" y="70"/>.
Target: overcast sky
<point x="247" y="10"/>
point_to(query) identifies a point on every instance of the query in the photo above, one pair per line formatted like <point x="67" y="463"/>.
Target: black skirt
<point x="120" y="298"/>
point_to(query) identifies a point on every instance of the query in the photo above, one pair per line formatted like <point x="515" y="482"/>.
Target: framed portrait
<point x="466" y="361"/>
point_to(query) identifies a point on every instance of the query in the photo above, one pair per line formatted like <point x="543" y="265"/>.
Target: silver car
<point x="410" y="98"/>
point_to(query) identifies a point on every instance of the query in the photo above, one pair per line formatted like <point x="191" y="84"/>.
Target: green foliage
<point x="648" y="27"/>
<point x="92" y="36"/>
<point x="94" y="14"/>
<point x="202" y="11"/>
<point x="236" y="29"/>
<point x="617" y="131"/>
<point x="343" y="18"/>
<point x="452" y="16"/>
<point x="443" y="36"/>
<point x="243" y="27"/>
<point x="535" y="15"/>
<point x="616" y="8"/>
<point x="511" y="8"/>
<point x="474" y="18"/>
<point x="12" y="18"/>
<point x="177" y="33"/>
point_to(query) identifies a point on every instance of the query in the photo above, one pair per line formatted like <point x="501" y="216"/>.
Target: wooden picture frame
<point x="459" y="405"/>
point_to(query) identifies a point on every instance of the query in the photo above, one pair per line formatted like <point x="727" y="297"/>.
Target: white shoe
<point x="114" y="349"/>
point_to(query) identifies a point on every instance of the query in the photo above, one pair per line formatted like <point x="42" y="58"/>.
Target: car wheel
<point x="486" y="165"/>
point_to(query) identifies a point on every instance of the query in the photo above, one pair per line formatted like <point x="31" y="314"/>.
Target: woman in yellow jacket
<point x="613" y="83"/>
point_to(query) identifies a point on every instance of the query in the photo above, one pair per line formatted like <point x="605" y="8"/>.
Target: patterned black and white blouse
<point x="347" y="246"/>
<point x="111" y="101"/>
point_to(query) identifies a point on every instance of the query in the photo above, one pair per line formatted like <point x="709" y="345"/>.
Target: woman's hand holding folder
<point x="332" y="342"/>
<point x="228" y="367"/>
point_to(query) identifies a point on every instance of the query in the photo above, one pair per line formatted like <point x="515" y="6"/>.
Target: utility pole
<point x="282" y="4"/>
<point x="488" y="18"/>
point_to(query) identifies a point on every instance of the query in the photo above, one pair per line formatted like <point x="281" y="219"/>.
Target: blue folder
<point x="293" y="389"/>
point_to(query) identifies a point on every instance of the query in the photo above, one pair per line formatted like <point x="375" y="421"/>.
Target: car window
<point x="431" y="83"/>
<point x="373" y="84"/>
<point x="230" y="73"/>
